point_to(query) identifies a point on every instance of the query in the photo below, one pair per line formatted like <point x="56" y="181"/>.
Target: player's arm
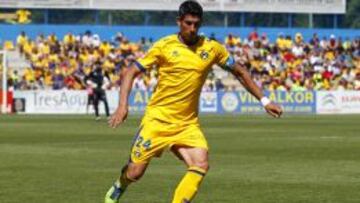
<point x="153" y="57"/>
<point x="106" y="83"/>
<point x="226" y="61"/>
<point x="121" y="112"/>
<point x="241" y="73"/>
<point x="89" y="81"/>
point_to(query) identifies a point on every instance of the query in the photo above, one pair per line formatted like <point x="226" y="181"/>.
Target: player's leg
<point x="130" y="173"/>
<point x="196" y="160"/>
<point x="106" y="104"/>
<point x="96" y="105"/>
<point x="145" y="146"/>
<point x="90" y="101"/>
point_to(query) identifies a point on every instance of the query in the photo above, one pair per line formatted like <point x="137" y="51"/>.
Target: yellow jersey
<point x="21" y="40"/>
<point x="182" y="71"/>
<point x="69" y="39"/>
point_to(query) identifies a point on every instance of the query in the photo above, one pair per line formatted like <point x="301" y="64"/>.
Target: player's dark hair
<point x="190" y="7"/>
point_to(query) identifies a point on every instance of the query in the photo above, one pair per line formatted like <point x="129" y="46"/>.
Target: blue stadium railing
<point x="134" y="33"/>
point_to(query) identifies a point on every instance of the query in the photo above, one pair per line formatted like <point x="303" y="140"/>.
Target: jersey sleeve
<point x="224" y="59"/>
<point x="151" y="58"/>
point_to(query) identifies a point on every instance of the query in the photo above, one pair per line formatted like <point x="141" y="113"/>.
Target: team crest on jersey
<point x="175" y="53"/>
<point x="204" y="55"/>
<point x="137" y="153"/>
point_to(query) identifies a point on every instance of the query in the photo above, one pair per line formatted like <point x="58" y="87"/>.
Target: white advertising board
<point x="62" y="102"/>
<point x="338" y="102"/>
<point x="208" y="102"/>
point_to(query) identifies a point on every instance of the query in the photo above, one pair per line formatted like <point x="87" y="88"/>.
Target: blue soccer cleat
<point x="113" y="195"/>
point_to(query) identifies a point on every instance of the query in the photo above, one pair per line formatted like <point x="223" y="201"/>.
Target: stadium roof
<point x="273" y="6"/>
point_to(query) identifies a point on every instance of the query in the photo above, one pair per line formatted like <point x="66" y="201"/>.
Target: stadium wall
<point x="239" y="102"/>
<point x="134" y="33"/>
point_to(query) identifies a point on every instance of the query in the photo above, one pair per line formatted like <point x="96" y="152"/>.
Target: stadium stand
<point x="289" y="63"/>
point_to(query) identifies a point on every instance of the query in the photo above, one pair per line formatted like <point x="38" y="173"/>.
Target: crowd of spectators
<point x="293" y="64"/>
<point x="289" y="63"/>
<point x="64" y="63"/>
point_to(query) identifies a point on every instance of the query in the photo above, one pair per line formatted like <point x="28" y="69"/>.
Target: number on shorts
<point x="147" y="144"/>
<point x="139" y="141"/>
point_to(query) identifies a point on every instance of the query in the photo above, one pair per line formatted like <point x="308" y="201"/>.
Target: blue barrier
<point x="134" y="33"/>
<point x="239" y="102"/>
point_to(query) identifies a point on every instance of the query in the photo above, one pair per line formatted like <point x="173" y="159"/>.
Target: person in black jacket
<point x="99" y="82"/>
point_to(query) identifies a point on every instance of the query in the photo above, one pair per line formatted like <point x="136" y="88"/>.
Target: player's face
<point x="189" y="26"/>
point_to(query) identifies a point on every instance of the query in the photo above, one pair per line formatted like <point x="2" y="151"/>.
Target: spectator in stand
<point x="253" y="36"/>
<point x="20" y="41"/>
<point x="231" y="41"/>
<point x="69" y="39"/>
<point x="314" y="41"/>
<point x="139" y="83"/>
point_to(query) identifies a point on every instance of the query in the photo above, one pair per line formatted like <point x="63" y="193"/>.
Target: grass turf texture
<point x="253" y="159"/>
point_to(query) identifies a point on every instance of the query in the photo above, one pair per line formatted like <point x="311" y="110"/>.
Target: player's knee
<point x="203" y="165"/>
<point x="135" y="173"/>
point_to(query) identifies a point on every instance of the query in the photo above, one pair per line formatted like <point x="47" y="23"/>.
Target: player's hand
<point x="118" y="117"/>
<point x="274" y="110"/>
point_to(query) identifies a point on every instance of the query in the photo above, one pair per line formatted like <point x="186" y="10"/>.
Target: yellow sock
<point x="189" y="185"/>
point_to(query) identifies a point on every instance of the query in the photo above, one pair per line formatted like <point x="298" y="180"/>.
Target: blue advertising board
<point x="138" y="100"/>
<point x="244" y="102"/>
<point x="299" y="102"/>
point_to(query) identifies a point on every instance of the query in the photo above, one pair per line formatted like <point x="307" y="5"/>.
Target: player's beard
<point x="190" y="38"/>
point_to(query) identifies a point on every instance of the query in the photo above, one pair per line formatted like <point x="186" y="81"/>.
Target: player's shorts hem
<point x="188" y="146"/>
<point x="139" y="161"/>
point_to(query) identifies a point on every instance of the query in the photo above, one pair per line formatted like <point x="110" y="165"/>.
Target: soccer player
<point x="171" y="117"/>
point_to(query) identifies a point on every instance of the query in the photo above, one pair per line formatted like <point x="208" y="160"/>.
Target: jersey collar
<point x="182" y="41"/>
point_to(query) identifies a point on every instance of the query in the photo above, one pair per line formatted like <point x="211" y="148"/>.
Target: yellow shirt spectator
<point x="108" y="65"/>
<point x="281" y="43"/>
<point x="92" y="57"/>
<point x="54" y="58"/>
<point x="114" y="78"/>
<point x="105" y="47"/>
<point x="73" y="65"/>
<point x="125" y="47"/>
<point x="288" y="43"/>
<point x="48" y="79"/>
<point x="326" y="84"/>
<point x="28" y="46"/>
<point x="84" y="57"/>
<point x="69" y="39"/>
<point x="45" y="49"/>
<point x="44" y="63"/>
<point x="52" y="39"/>
<point x="330" y="55"/>
<point x="29" y="75"/>
<point x="21" y="39"/>
<point x="232" y="40"/>
<point x="134" y="47"/>
<point x="257" y="65"/>
<point x="87" y="70"/>
<point x="8" y="45"/>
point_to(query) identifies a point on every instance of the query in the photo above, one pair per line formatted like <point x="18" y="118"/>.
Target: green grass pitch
<point x="253" y="159"/>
